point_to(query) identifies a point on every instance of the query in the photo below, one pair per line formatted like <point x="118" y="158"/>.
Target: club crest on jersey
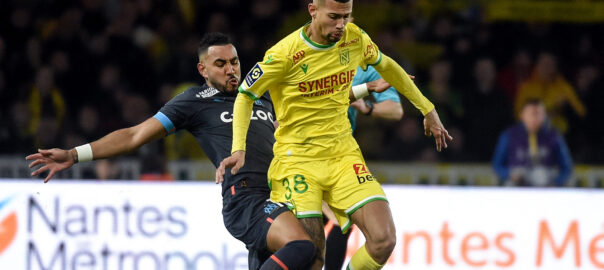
<point x="207" y="92"/>
<point x="269" y="208"/>
<point x="253" y="75"/>
<point x="344" y="56"/>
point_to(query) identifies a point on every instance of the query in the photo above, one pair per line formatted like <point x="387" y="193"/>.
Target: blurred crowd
<point x="72" y="71"/>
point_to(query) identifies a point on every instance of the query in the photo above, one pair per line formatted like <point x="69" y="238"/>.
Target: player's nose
<point x="230" y="69"/>
<point x="340" y="23"/>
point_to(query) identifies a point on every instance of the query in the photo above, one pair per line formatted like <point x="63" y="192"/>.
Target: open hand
<point x="236" y="160"/>
<point x="433" y="127"/>
<point x="54" y="160"/>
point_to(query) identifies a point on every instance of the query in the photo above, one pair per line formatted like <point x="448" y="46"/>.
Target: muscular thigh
<point x="352" y="187"/>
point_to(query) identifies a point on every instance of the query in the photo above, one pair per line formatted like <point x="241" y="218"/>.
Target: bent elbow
<point x="399" y="112"/>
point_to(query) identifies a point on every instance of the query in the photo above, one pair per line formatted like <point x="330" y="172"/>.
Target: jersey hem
<point x="309" y="216"/>
<point x="357" y="206"/>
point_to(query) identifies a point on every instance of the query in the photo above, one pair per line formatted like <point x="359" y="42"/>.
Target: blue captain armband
<point x="166" y="122"/>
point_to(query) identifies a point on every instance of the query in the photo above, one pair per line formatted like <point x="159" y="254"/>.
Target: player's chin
<point x="335" y="37"/>
<point x="230" y="90"/>
<point x="332" y="39"/>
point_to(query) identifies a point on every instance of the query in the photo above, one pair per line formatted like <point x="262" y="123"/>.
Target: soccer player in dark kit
<point x="274" y="237"/>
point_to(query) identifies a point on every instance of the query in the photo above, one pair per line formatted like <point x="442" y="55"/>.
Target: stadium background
<point x="72" y="71"/>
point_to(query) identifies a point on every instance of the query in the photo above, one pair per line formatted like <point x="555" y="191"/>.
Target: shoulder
<point x="354" y="29"/>
<point x="551" y="132"/>
<point x="516" y="129"/>
<point x="194" y="93"/>
<point x="286" y="45"/>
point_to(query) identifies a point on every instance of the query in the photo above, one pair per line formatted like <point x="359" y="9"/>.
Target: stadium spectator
<point x="488" y="110"/>
<point x="548" y="85"/>
<point x="15" y="135"/>
<point x="88" y="123"/>
<point x="442" y="93"/>
<point x="406" y="143"/>
<point x="45" y="100"/>
<point x="515" y="73"/>
<point x="531" y="153"/>
<point x="582" y="135"/>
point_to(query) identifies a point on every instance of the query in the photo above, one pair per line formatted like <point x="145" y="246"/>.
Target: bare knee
<point x="381" y="244"/>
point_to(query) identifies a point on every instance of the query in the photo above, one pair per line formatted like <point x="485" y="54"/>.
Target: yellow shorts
<point x="344" y="183"/>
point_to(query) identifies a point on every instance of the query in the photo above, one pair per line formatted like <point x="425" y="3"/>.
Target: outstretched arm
<point x="115" y="143"/>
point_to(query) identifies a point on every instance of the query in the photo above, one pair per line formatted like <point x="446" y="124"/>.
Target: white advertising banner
<point x="70" y="225"/>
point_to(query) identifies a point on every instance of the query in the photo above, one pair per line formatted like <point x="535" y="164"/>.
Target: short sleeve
<point x="371" y="53"/>
<point x="174" y="115"/>
<point x="264" y="74"/>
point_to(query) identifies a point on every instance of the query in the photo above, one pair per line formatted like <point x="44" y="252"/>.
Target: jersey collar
<point x="312" y="44"/>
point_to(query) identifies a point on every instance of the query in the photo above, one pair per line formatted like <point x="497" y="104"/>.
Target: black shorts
<point x="248" y="213"/>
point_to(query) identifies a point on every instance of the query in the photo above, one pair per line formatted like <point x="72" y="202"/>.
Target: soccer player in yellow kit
<point x="308" y="74"/>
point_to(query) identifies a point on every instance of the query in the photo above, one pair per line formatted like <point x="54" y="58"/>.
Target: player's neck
<point x="312" y="32"/>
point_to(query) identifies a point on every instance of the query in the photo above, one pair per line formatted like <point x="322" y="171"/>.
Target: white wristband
<point x="84" y="152"/>
<point x="360" y="91"/>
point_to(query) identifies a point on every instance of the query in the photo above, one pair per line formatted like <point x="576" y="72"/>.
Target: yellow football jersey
<point x="309" y="85"/>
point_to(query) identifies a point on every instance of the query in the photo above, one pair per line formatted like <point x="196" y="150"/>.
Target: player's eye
<point x="235" y="62"/>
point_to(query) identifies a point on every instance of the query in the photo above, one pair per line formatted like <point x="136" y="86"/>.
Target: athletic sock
<point x="298" y="254"/>
<point x="361" y="260"/>
<point x="335" y="248"/>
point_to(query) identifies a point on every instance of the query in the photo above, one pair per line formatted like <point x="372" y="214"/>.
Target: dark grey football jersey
<point x="207" y="113"/>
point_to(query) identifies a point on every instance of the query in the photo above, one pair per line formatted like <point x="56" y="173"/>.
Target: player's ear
<point x="312" y="9"/>
<point x="201" y="68"/>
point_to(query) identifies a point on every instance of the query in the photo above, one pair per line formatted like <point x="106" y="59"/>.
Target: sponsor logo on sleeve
<point x="253" y="75"/>
<point x="369" y="51"/>
<point x="207" y="93"/>
<point x="269" y="59"/>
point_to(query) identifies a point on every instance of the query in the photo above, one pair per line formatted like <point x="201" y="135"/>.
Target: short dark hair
<point x="212" y="39"/>
<point x="532" y="102"/>
<point x="322" y="2"/>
